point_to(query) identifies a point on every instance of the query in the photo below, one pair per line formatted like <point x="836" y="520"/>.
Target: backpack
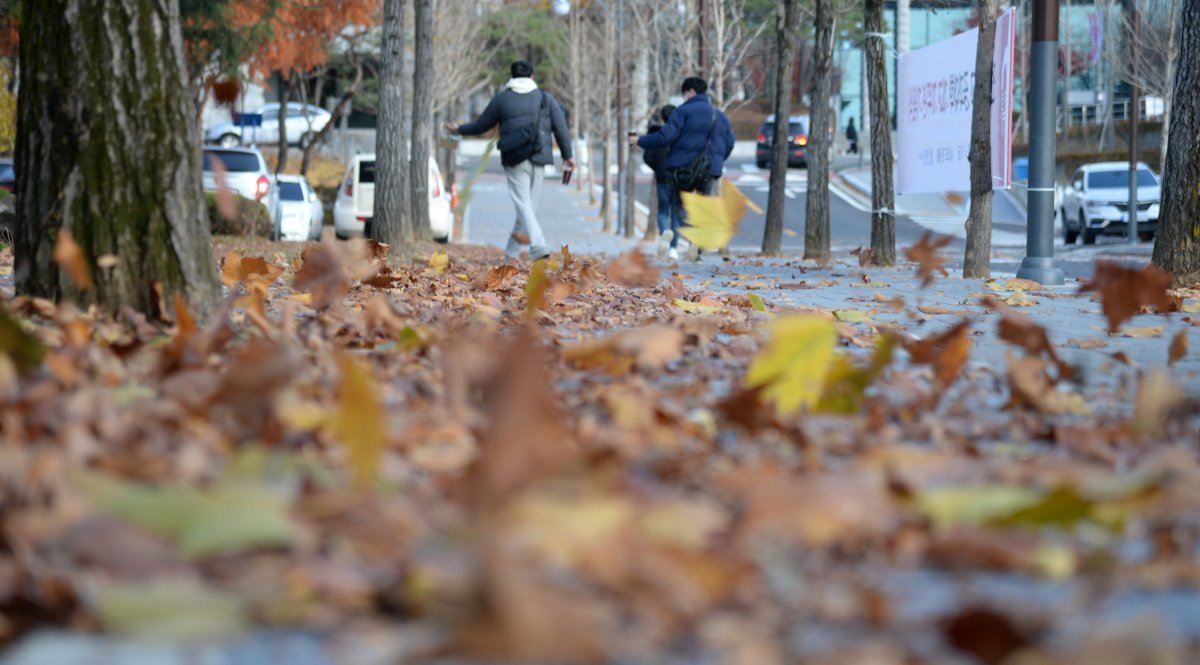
<point x="696" y="173"/>
<point x="525" y="142"/>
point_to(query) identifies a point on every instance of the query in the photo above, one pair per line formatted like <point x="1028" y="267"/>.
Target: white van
<point x="355" y="205"/>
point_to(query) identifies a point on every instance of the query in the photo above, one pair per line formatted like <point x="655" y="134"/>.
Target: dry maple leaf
<point x="648" y="348"/>
<point x="1125" y="291"/>
<point x="925" y="255"/>
<point x="632" y="270"/>
<point x="499" y="277"/>
<point x="1018" y="329"/>
<point x="322" y="275"/>
<point x="1179" y="347"/>
<point x="69" y="256"/>
<point x="866" y="256"/>
<point x="1032" y="386"/>
<point x="946" y="352"/>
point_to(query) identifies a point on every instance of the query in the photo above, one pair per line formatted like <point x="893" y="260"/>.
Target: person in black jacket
<point x="852" y="138"/>
<point x="527" y="117"/>
<point x="670" y="216"/>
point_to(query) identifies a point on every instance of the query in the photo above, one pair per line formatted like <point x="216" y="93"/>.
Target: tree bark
<point x="977" y="262"/>
<point x="1177" y="242"/>
<point x="393" y="207"/>
<point x="787" y="17"/>
<point x="816" y="205"/>
<point x="883" y="204"/>
<point x="285" y="94"/>
<point x="422" y="122"/>
<point x="107" y="148"/>
<point x="1168" y="98"/>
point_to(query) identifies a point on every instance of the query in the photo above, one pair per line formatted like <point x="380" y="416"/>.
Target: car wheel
<point x="1145" y="236"/>
<point x="1069" y="235"/>
<point x="760" y="163"/>
<point x="1089" y="236"/>
<point x="305" y="140"/>
<point x="339" y="236"/>
<point x="443" y="240"/>
<point x="229" y="141"/>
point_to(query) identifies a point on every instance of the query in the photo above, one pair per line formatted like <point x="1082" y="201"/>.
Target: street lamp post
<point x="1038" y="264"/>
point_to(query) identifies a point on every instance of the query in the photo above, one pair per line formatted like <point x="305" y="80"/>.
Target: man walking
<point x="527" y="117"/>
<point x="695" y="133"/>
<point x="670" y="217"/>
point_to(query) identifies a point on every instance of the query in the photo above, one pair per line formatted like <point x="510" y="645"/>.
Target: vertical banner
<point x="1002" y="96"/>
<point x="936" y="91"/>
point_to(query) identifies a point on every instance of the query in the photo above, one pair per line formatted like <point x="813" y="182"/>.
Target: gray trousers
<point x="525" y="188"/>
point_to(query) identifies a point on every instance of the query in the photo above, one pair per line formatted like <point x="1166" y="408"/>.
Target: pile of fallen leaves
<point x="580" y="462"/>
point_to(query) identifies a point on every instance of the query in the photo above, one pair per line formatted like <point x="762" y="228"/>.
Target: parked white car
<point x="303" y="122"/>
<point x="300" y="213"/>
<point x="246" y="174"/>
<point x="1097" y="202"/>
<point x="355" y="205"/>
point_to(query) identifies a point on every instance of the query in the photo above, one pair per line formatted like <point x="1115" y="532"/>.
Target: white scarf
<point x="521" y="86"/>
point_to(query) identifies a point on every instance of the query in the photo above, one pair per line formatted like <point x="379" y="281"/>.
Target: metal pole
<point x="1038" y="264"/>
<point x="1133" y="114"/>
<point x="622" y="143"/>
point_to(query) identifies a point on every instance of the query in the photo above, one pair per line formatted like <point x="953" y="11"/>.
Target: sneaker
<point x="693" y="253"/>
<point x="673" y="254"/>
<point x="664" y="241"/>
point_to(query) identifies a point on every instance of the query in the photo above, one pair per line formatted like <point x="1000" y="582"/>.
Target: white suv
<point x="1097" y="202"/>
<point x="246" y="174"/>
<point x="355" y="205"/>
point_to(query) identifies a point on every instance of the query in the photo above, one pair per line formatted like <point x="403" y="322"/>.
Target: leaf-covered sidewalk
<point x="747" y="461"/>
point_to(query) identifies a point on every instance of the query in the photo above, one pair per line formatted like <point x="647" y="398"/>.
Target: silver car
<point x="246" y="174"/>
<point x="303" y="122"/>
<point x="300" y="214"/>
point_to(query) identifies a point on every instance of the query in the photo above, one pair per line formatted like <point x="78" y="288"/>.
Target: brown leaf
<point x="648" y="348"/>
<point x="238" y="269"/>
<point x="1125" y="291"/>
<point x="69" y="256"/>
<point x="1179" y="347"/>
<point x="925" y="255"/>
<point x="632" y="270"/>
<point x="499" y="277"/>
<point x="321" y="274"/>
<point x="946" y="352"/>
<point x="866" y="256"/>
<point x="1032" y="387"/>
<point x="1018" y="329"/>
<point x="226" y="200"/>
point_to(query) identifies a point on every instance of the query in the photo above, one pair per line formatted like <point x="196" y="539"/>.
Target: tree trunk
<point x="1165" y="131"/>
<point x="787" y="17"/>
<point x="422" y="122"/>
<point x="127" y="189"/>
<point x="883" y="204"/>
<point x="606" y="135"/>
<point x="392" y="188"/>
<point x="1177" y="242"/>
<point x="816" y="212"/>
<point x="285" y="93"/>
<point x="334" y="119"/>
<point x="977" y="262"/>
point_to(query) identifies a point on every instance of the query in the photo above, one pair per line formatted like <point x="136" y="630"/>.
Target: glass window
<point x="794" y="129"/>
<point x="295" y="111"/>
<point x="1116" y="179"/>
<point x="366" y="171"/>
<point x="234" y="161"/>
<point x="290" y="191"/>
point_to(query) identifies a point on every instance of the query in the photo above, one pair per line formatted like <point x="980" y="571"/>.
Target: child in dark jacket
<point x="670" y="216"/>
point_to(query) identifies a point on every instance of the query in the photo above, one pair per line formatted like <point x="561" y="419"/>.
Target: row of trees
<point x="114" y="164"/>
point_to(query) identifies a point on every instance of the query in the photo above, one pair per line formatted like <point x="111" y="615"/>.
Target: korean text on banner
<point x="936" y="93"/>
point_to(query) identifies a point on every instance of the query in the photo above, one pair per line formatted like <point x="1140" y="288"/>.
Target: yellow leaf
<point x="851" y="315"/>
<point x="1147" y="331"/>
<point x="535" y="288"/>
<point x="712" y="220"/>
<point x="358" y="420"/>
<point x="697" y="308"/>
<point x="1192" y="307"/>
<point x="790" y="233"/>
<point x="792" y="368"/>
<point x="757" y="303"/>
<point x="305" y="298"/>
<point x="439" y="261"/>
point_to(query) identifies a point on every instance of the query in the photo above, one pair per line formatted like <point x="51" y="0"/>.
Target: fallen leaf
<point x="791" y="370"/>
<point x="1086" y="343"/>
<point x="697" y="308"/>
<point x="535" y="288"/>
<point x="632" y="270"/>
<point x="1157" y="394"/>
<point x="756" y="303"/>
<point x="358" y="421"/>
<point x="946" y="352"/>
<point x="69" y="256"/>
<point x="439" y="261"/>
<point x="925" y="255"/>
<point x="498" y="277"/>
<point x="1145" y="331"/>
<point x="321" y="274"/>
<point x="851" y="315"/>
<point x="1179" y="347"/>
<point x="648" y="348"/>
<point x="1125" y="291"/>
<point x="713" y="220"/>
<point x="169" y="610"/>
<point x="1031" y="386"/>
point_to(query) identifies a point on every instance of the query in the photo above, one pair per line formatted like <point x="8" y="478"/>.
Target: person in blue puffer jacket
<point x="685" y="134"/>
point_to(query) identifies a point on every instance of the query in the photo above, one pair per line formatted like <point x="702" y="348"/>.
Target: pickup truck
<point x="1097" y="202"/>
